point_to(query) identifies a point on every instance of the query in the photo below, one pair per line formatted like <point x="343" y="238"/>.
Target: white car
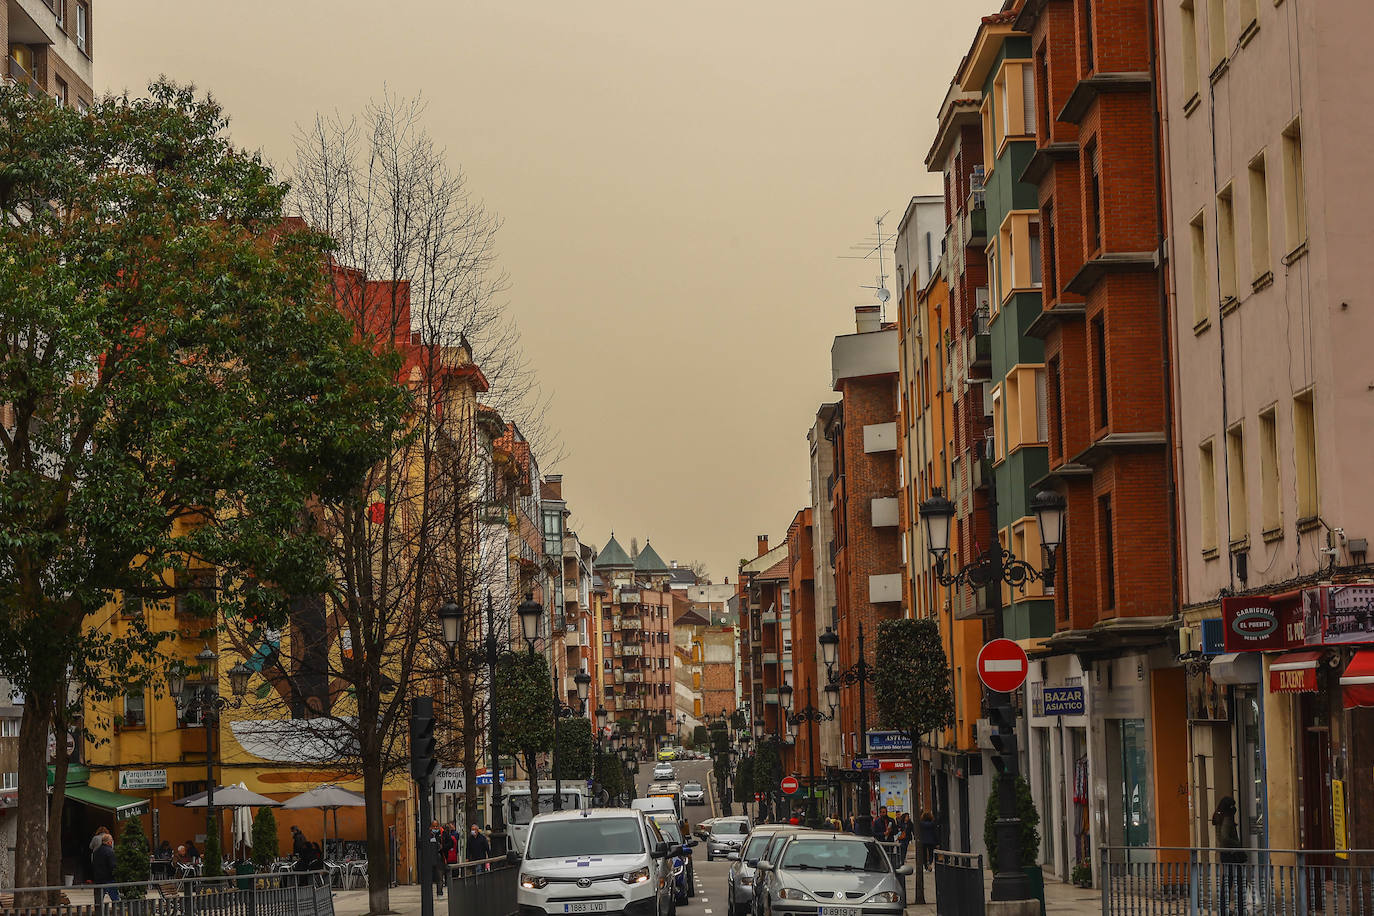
<point x="663" y="771"/>
<point x="693" y="794"/>
<point x="607" y="860"/>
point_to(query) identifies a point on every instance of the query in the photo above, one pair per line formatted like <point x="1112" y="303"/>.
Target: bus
<point x="669" y="790"/>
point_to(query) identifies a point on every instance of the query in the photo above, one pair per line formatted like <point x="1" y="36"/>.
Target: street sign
<point x="450" y="781"/>
<point x="1002" y="666"/>
<point x="790" y="784"/>
<point x="865" y="763"/>
<point x="889" y="743"/>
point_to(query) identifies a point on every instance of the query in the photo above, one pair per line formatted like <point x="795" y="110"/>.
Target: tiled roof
<point x="613" y="555"/>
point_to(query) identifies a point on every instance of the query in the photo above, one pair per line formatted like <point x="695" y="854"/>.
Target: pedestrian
<point x="451" y="847"/>
<point x="436" y="850"/>
<point x="103" y="869"/>
<point x="882" y="825"/>
<point x="310" y="858"/>
<point x="929" y="839"/>
<point x="478" y="846"/>
<point x="1233" y="857"/>
<point x="97" y="840"/>
<point x="299" y="844"/>
<point x="192" y="852"/>
<point x="904" y="830"/>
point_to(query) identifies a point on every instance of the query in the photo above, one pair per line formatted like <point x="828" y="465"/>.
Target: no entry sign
<point x="790" y="784"/>
<point x="1002" y="666"/>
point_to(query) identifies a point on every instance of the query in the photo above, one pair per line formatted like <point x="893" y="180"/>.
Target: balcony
<point x="975" y="220"/>
<point x="768" y="617"/>
<point x="572" y="639"/>
<point x="631" y="651"/>
<point x="770" y="658"/>
<point x="770" y="696"/>
<point x="22" y="77"/>
<point x="634" y="677"/>
<point x="632" y="703"/>
<point x="628" y="596"/>
<point x="629" y="623"/>
<point x="572" y="595"/>
<point x="887" y="587"/>
<point x="885" y="511"/>
<point x="619" y="676"/>
<point x="493" y="513"/>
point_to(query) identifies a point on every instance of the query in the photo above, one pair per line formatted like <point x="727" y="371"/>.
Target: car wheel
<point x="709" y="857"/>
<point x="691" y="882"/>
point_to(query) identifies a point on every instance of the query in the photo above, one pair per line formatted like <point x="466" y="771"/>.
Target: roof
<point x="779" y="570"/>
<point x="684" y="575"/>
<point x="649" y="561"/>
<point x="613" y="556"/>
<point x="759" y="564"/>
<point x="691" y="618"/>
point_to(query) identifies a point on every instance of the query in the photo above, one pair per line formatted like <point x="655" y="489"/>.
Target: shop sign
<point x="1293" y="680"/>
<point x="888" y="743"/>
<point x="1255" y="623"/>
<point x="142" y="779"/>
<point x="1338" y="818"/>
<point x="1338" y="615"/>
<point x="450" y="781"/>
<point x="1063" y="701"/>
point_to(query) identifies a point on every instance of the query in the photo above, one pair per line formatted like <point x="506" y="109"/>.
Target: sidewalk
<point x="405" y="898"/>
<point x="1059" y="898"/>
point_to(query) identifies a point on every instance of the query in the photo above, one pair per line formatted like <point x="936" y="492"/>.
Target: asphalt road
<point x="711" y="876"/>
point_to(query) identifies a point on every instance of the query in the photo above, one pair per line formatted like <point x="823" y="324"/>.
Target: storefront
<point x="1058" y="754"/>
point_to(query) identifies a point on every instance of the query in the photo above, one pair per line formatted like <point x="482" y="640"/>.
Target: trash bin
<point x="248" y="868"/>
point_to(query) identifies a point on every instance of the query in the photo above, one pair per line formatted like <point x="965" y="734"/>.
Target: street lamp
<point x="996" y="563"/>
<point x="562" y="710"/>
<point x="861" y="673"/>
<point x="811" y="715"/>
<point x="529" y="612"/>
<point x="208" y="704"/>
<point x="451" y="616"/>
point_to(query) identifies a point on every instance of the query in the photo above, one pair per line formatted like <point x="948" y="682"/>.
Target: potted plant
<point x="1082" y="875"/>
<point x="1030" y="837"/>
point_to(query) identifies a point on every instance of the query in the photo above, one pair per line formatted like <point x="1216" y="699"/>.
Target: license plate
<point x="839" y="911"/>
<point x="599" y="906"/>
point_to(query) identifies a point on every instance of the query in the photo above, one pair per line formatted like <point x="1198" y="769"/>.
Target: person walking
<point x="1233" y="858"/>
<point x="103" y="870"/>
<point x="97" y="840"/>
<point x="436" y="848"/>
<point x="929" y="839"/>
<point x="478" y="846"/>
<point x="300" y="846"/>
<point x="904" y="830"/>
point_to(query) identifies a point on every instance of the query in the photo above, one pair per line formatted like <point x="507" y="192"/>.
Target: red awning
<point x="1357" y="682"/>
<point x="1295" y="672"/>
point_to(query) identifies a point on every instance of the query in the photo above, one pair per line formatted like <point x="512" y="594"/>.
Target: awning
<point x="1236" y="668"/>
<point x="1295" y="672"/>
<point x="1357" y="682"/>
<point x="122" y="807"/>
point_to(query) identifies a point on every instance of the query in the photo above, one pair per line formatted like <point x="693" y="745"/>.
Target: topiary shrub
<point x="1030" y="824"/>
<point x="131" y="858"/>
<point x="212" y="858"/>
<point x="265" y="848"/>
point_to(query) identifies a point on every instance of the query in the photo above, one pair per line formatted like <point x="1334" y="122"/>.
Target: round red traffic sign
<point x="790" y="784"/>
<point x="1002" y="666"/>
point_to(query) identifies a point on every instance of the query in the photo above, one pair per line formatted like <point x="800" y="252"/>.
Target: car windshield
<point x="667" y="825"/>
<point x="834" y="855"/>
<point x="754" y="848"/>
<point x="728" y="828"/>
<point x="520" y="805"/>
<point x="602" y="836"/>
<point x="692" y="787"/>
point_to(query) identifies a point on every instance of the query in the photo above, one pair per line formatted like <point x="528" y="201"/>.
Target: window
<point x="82" y="105"/>
<point x="989" y="115"/>
<point x="189" y="711"/>
<point x="60" y="91"/>
<point x="59" y="9"/>
<point x="1023" y="398"/>
<point x="9" y="728"/>
<point x="1087" y="37"/>
<point x="1094" y="198"/>
<point x="133" y="710"/>
<point x="1271" y="511"/>
<point x="1226" y="247"/>
<point x="1018" y="251"/>
<point x="1305" y="449"/>
<point x="1197" y="237"/>
<point x="1099" y="332"/>
<point x="994" y="280"/>
<point x="1216" y="32"/>
<point x="1034" y="251"/>
<point x="83" y="27"/>
<point x="1207" y="487"/>
<point x="1294" y="201"/>
<point x="1259" y="219"/>
<point x="1013" y="90"/>
<point x="1188" y="20"/>
<point x="999" y="420"/>
<point x="1042" y="78"/>
<point x="1236" y="505"/>
<point x="1056" y="434"/>
<point x="605" y="639"/>
<point x="1046" y="228"/>
<point x="9" y="781"/>
<point x="1107" y="540"/>
<point x="553" y="532"/>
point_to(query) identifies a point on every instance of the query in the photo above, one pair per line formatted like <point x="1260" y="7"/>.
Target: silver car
<point x="830" y="874"/>
<point x="743" y="864"/>
<point x="726" y="836"/>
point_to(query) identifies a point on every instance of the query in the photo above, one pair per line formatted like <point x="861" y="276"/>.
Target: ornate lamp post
<point x="208" y="704"/>
<point x="861" y="673"/>
<point x="994" y="565"/>
<point x="601" y="716"/>
<point x="809" y="714"/>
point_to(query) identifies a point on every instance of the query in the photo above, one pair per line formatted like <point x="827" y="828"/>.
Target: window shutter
<point x="1028" y="97"/>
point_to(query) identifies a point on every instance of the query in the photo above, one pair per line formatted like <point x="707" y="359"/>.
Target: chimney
<point x="554" y="482"/>
<point x="763" y="544"/>
<point x="868" y="318"/>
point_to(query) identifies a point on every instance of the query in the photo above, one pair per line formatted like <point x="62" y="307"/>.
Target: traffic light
<point x="422" y="760"/>
<point x="1003" y="720"/>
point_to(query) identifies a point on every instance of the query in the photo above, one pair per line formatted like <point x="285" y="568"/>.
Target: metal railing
<point x="1182" y="881"/>
<point x="484" y="887"/>
<point x="958" y="883"/>
<point x="281" y="893"/>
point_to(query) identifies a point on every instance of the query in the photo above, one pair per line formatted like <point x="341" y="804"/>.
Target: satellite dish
<point x="883" y="294"/>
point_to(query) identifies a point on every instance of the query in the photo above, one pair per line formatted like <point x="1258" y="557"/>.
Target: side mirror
<point x="764" y="866"/>
<point x="676" y="850"/>
<point x="732" y="856"/>
<point x="905" y="870"/>
<point x="661" y="850"/>
<point x="694" y="842"/>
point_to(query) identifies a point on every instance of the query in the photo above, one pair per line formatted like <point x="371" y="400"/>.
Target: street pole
<point x="498" y="818"/>
<point x="208" y="716"/>
<point x="557" y="714"/>
<point x="863" y="824"/>
<point x="811" y="815"/>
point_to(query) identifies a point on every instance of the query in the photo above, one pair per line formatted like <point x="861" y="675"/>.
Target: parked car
<point x="693" y="794"/>
<point x="771" y="851"/>
<point x="740" y="880"/>
<point x="684" y="872"/>
<point x="814" y="867"/>
<point x="704" y="828"/>
<point x="607" y="860"/>
<point x="727" y="836"/>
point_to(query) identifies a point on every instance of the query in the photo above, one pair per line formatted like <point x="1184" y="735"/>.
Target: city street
<point x="711" y="876"/>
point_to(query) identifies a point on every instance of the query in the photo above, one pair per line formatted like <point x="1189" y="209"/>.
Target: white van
<point x="518" y="812"/>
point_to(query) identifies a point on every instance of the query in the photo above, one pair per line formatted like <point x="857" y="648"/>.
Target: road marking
<point x="708" y="911"/>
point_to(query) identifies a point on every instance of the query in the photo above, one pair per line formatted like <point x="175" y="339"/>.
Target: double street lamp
<point x="208" y="704"/>
<point x="810" y="714"/>
<point x="861" y="673"/>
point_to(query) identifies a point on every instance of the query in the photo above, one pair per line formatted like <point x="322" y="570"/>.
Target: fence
<point x="485" y="887"/>
<point x="274" y="894"/>
<point x="1180" y="881"/>
<point x="958" y="883"/>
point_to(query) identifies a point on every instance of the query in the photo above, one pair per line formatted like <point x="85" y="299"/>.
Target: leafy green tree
<point x="1030" y="825"/>
<point x="575" y="749"/>
<point x="131" y="858"/>
<point x="744" y="777"/>
<point x="265" y="840"/>
<point x="212" y="856"/>
<point x="181" y="389"/>
<point x="610" y="772"/>
<point x="524" y="709"/>
<point x="737" y="720"/>
<point x="700" y="737"/>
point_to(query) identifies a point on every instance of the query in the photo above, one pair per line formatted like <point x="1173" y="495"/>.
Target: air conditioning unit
<point x="984" y="730"/>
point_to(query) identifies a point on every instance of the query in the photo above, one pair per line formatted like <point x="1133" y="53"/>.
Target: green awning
<point x="122" y="807"/>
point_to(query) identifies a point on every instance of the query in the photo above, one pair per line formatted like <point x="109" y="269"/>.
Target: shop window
<point x="1236" y="497"/>
<point x="1197" y="238"/>
<point x="1294" y="200"/>
<point x="1305" y="455"/>
<point x="1271" y="507"/>
<point x="1207" y="490"/>
<point x="1188" y="27"/>
<point x="1259" y="219"/>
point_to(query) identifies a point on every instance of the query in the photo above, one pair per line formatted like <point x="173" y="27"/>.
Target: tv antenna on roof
<point x="876" y="244"/>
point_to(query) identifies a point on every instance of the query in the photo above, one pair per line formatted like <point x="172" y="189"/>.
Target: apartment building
<point x="1269" y="231"/>
<point x="50" y="46"/>
<point x="821" y="457"/>
<point x="764" y="605"/>
<point x="637" y="655"/>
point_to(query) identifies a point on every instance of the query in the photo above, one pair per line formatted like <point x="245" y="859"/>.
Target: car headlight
<point x="638" y="876"/>
<point x="793" y="893"/>
<point x="533" y="881"/>
<point x="746" y="880"/>
<point x="885" y="897"/>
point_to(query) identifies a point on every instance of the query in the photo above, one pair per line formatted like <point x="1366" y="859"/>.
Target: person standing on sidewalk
<point x="1233" y="857"/>
<point x="929" y="839"/>
<point x="103" y="869"/>
<point x="904" y="830"/>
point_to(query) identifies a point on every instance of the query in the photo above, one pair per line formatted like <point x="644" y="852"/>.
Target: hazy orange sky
<point x="677" y="182"/>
